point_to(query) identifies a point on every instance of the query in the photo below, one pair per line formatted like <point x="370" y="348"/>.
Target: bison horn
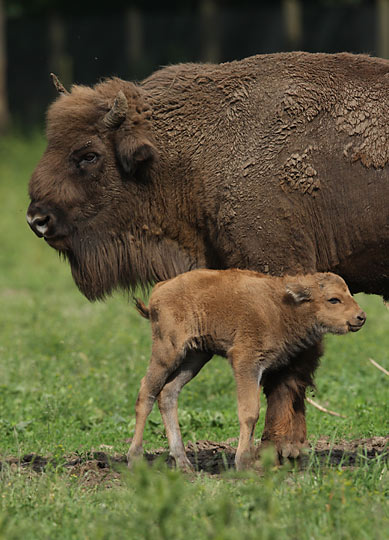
<point x="58" y="85"/>
<point x="117" y="114"/>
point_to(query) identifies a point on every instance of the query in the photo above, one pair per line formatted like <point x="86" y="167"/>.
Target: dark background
<point x="85" y="41"/>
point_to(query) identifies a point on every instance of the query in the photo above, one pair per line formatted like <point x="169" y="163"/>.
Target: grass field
<point x="69" y="376"/>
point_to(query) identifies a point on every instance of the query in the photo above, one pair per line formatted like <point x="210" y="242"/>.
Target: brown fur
<point x="258" y="322"/>
<point x="277" y="163"/>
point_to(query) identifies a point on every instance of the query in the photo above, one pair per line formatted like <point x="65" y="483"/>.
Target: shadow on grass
<point x="206" y="456"/>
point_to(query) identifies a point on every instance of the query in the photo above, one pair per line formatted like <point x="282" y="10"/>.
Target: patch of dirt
<point x="98" y="467"/>
<point x="348" y="453"/>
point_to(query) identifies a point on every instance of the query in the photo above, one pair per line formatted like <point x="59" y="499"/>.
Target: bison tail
<point x="142" y="308"/>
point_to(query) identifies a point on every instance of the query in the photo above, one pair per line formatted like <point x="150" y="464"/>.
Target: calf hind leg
<point x="168" y="402"/>
<point x="160" y="367"/>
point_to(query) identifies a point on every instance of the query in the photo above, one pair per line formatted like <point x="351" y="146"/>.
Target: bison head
<point x="91" y="193"/>
<point x="327" y="296"/>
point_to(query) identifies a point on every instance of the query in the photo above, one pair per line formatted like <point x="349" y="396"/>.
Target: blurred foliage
<point x="17" y="8"/>
<point x="154" y="503"/>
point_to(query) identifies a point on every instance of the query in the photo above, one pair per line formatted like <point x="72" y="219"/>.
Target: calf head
<point x="89" y="187"/>
<point x="329" y="301"/>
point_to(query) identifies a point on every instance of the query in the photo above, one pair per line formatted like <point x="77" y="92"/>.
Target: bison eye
<point x="87" y="159"/>
<point x="334" y="300"/>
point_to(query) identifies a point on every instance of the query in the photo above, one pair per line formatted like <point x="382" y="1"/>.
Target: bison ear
<point x="297" y="293"/>
<point x="135" y="155"/>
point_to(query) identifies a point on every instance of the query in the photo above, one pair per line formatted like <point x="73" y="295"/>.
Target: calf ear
<point x="135" y="155"/>
<point x="298" y="293"/>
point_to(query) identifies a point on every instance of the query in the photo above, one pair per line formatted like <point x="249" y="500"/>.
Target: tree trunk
<point x="4" y="110"/>
<point x="210" y="31"/>
<point x="382" y="11"/>
<point x="292" y="14"/>
<point x="134" y="41"/>
<point x="60" y="62"/>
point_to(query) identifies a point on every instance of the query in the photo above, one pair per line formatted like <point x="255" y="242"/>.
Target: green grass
<point x="162" y="504"/>
<point x="69" y="376"/>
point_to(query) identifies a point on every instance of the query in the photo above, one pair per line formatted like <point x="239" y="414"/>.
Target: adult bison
<point x="276" y="163"/>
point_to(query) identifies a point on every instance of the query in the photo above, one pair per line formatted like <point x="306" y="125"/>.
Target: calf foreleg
<point x="247" y="376"/>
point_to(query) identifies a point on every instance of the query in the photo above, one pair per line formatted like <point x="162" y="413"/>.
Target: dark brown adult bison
<point x="277" y="163"/>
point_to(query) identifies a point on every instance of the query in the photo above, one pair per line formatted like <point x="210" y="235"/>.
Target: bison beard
<point x="101" y="265"/>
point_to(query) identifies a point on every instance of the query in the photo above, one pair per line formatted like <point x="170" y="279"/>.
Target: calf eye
<point x="87" y="159"/>
<point x="334" y="300"/>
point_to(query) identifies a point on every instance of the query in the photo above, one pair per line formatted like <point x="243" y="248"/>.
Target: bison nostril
<point x="40" y="222"/>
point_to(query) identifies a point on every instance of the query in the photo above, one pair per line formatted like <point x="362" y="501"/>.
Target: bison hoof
<point x="291" y="450"/>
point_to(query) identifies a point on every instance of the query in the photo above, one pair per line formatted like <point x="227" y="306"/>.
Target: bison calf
<point x="258" y="322"/>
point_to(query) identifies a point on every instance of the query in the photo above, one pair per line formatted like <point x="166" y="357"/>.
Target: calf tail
<point x="142" y="308"/>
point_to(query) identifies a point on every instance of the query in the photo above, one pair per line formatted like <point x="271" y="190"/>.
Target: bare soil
<point x="99" y="467"/>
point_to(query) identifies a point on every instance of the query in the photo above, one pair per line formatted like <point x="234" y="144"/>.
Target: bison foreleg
<point x="285" y="424"/>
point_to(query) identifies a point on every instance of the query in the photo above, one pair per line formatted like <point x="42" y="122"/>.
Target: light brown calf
<point x="258" y="322"/>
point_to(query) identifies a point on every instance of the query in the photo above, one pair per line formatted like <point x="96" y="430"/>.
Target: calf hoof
<point x="244" y="462"/>
<point x="134" y="456"/>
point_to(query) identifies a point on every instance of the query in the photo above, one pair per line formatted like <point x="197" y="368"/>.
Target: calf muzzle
<point x="357" y="322"/>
